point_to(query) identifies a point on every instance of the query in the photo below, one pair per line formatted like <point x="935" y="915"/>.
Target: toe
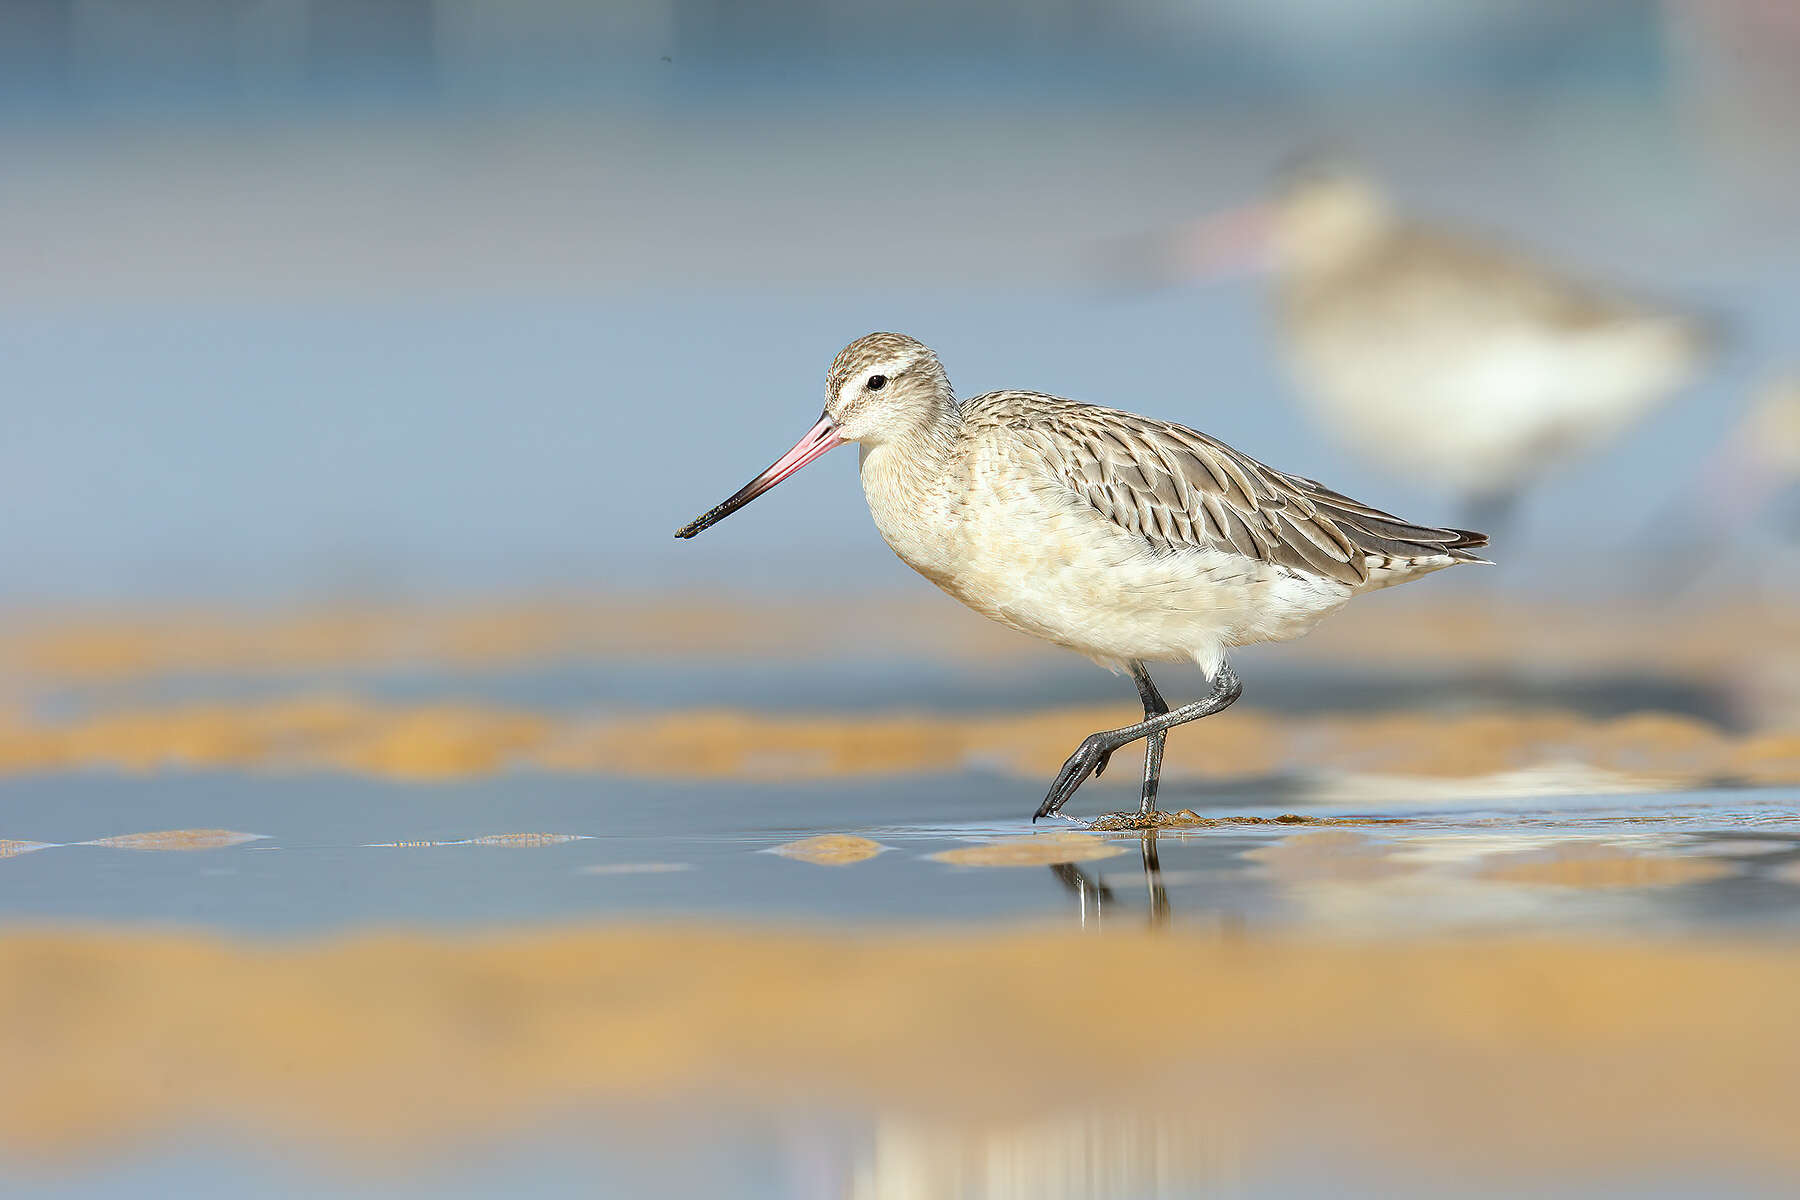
<point x="1088" y="760"/>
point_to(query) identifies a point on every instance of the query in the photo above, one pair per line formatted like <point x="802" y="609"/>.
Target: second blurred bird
<point x="1441" y="358"/>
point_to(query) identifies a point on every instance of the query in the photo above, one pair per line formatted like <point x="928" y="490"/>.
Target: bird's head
<point x="884" y="386"/>
<point x="880" y="388"/>
<point x="1322" y="213"/>
<point x="1318" y="213"/>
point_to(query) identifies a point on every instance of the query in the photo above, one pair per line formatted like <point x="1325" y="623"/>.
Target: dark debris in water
<point x="1187" y="818"/>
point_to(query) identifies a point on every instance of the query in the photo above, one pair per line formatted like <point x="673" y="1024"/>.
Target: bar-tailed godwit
<point x="1434" y="354"/>
<point x="1127" y="539"/>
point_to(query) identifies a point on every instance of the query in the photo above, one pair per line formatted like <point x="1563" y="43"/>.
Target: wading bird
<point x="1434" y="355"/>
<point x="1127" y="539"/>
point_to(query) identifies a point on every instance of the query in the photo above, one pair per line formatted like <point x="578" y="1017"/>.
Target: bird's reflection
<point x="1092" y="1151"/>
<point x="1094" y="899"/>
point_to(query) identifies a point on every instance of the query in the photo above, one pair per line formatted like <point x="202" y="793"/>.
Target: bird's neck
<point x="910" y="483"/>
<point x="922" y="445"/>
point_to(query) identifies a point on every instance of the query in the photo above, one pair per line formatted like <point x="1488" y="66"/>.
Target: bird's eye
<point x="877" y="382"/>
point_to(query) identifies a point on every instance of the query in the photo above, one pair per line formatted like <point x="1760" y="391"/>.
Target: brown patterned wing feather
<point x="1179" y="489"/>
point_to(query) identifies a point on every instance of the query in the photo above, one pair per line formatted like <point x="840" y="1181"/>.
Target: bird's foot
<point x="1089" y="759"/>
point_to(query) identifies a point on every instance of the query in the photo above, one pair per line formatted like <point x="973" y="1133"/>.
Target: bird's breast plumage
<point x="994" y="522"/>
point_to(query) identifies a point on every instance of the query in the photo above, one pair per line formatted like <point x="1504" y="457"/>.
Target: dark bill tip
<point x="698" y="523"/>
<point x="820" y="438"/>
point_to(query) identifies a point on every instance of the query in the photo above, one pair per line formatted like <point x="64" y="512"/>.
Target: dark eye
<point x="877" y="382"/>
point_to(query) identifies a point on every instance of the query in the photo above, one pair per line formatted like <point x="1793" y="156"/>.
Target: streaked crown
<point x="875" y="352"/>
<point x="883" y="383"/>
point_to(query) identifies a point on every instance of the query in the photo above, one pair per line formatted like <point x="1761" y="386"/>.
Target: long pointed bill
<point x="1221" y="245"/>
<point x="1229" y="243"/>
<point x="818" y="440"/>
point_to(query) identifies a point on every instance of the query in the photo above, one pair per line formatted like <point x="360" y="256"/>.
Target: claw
<point x="1089" y="759"/>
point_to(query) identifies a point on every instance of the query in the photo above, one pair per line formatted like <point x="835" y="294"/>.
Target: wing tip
<point x="1467" y="540"/>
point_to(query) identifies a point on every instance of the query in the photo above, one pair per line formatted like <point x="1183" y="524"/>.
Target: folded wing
<point x="1179" y="489"/>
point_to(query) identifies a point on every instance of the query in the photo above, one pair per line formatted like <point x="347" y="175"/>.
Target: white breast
<point x="1471" y="393"/>
<point x="992" y="528"/>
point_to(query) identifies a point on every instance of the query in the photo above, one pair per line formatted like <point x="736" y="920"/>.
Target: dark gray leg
<point x="1154" y="707"/>
<point x="1153" y="880"/>
<point x="1098" y="747"/>
<point x="1088" y="891"/>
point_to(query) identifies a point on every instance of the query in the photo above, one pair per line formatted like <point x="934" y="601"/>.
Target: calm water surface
<point x="333" y="851"/>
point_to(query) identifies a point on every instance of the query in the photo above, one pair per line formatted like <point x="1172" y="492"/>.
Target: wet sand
<point x="1471" y="1053"/>
<point x="451" y="740"/>
<point x="443" y="693"/>
<point x="1474" y="632"/>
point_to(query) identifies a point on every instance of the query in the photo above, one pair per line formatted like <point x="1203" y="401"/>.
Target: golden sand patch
<point x="831" y="849"/>
<point x="440" y="741"/>
<point x="1600" y="865"/>
<point x="176" y="839"/>
<point x="432" y="741"/>
<point x="12" y="847"/>
<point x="107" y="648"/>
<point x="1590" y="1051"/>
<point x="1481" y="632"/>
<point x="1033" y="850"/>
<point x="1246" y="742"/>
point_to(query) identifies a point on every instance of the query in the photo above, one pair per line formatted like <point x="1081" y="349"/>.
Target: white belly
<point x="1486" y="413"/>
<point x="1030" y="554"/>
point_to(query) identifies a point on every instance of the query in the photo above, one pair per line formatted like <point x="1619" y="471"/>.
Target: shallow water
<point x="459" y="958"/>
<point x="522" y="851"/>
<point x="339" y="851"/>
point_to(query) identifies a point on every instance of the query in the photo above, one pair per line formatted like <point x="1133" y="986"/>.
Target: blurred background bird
<point x="1439" y="357"/>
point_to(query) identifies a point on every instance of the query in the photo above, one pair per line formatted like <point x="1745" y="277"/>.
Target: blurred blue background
<point x="330" y="298"/>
